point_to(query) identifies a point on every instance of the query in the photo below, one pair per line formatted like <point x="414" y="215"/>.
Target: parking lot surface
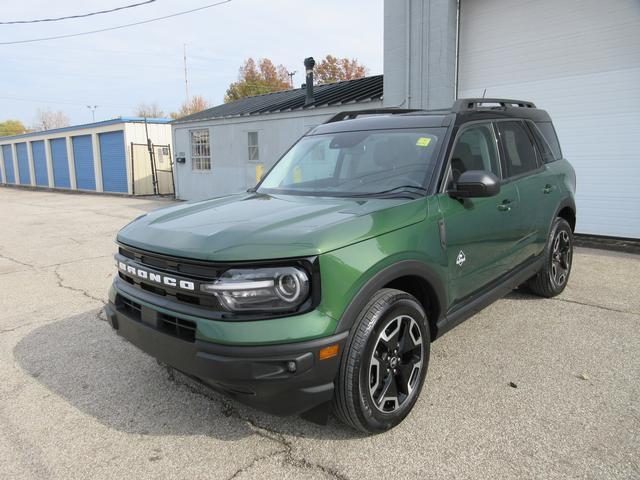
<point x="528" y="388"/>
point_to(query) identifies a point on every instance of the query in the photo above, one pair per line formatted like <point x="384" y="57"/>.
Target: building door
<point x="579" y="61"/>
<point x="114" y="162"/>
<point x="40" y="163"/>
<point x="60" y="162"/>
<point x="7" y="156"/>
<point x="23" y="163"/>
<point x="83" y="161"/>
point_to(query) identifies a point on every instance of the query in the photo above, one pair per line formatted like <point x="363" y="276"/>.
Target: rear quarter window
<point x="550" y="136"/>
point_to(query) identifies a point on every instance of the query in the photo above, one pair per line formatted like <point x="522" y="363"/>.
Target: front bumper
<point x="259" y="376"/>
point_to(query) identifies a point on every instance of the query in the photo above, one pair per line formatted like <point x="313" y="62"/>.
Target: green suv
<point x="376" y="233"/>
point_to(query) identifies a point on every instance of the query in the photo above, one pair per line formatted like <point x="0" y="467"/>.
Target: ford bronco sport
<point x="376" y="233"/>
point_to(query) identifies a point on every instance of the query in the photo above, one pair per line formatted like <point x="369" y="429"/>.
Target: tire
<point x="552" y="279"/>
<point x="390" y="335"/>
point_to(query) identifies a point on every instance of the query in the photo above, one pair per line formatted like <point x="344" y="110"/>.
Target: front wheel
<point x="383" y="369"/>
<point x="554" y="275"/>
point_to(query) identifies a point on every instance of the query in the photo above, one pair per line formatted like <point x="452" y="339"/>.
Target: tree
<point x="149" y="110"/>
<point x="11" y="127"/>
<point x="195" y="104"/>
<point x="48" y="119"/>
<point x="332" y="69"/>
<point x="256" y="78"/>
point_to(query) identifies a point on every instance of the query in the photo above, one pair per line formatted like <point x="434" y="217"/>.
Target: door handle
<point x="505" y="206"/>
<point x="547" y="188"/>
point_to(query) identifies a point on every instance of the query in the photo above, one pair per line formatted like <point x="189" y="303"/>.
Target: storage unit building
<point x="96" y="157"/>
<point x="227" y="148"/>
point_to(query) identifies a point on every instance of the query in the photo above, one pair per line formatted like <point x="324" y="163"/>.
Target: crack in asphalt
<point x="601" y="307"/>
<point x="61" y="284"/>
<point x="14" y="260"/>
<point x="286" y="447"/>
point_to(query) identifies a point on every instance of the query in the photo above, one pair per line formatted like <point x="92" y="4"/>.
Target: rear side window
<point x="541" y="143"/>
<point x="520" y="154"/>
<point x="550" y="136"/>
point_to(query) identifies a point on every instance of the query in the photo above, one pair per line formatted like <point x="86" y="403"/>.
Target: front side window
<point x="475" y="149"/>
<point x="200" y="150"/>
<point x="519" y="150"/>
<point x="254" y="152"/>
<point x="383" y="163"/>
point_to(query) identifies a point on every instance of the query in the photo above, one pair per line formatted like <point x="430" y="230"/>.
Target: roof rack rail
<point x="464" y="104"/>
<point x="349" y="115"/>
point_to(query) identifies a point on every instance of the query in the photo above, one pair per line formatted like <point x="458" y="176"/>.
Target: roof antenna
<point x="484" y="93"/>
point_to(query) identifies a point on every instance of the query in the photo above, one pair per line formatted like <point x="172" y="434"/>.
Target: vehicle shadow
<point x="82" y="360"/>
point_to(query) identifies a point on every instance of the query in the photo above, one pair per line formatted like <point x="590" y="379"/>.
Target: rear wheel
<point x="552" y="279"/>
<point x="383" y="369"/>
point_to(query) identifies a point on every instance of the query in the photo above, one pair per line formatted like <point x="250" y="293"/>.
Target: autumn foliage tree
<point x="256" y="78"/>
<point x="332" y="69"/>
<point x="11" y="127"/>
<point x="195" y="104"/>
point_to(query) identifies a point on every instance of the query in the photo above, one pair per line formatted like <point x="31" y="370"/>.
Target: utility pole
<point x="186" y="83"/>
<point x="93" y="111"/>
<point x="291" y="74"/>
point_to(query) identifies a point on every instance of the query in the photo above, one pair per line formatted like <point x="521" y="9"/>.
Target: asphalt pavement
<point x="528" y="388"/>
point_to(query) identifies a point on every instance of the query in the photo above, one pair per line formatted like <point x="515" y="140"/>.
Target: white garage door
<point x="580" y="61"/>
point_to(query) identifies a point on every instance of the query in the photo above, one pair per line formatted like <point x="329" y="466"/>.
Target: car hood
<point x="261" y="227"/>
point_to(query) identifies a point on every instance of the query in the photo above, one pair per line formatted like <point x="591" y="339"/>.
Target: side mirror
<point x="476" y="183"/>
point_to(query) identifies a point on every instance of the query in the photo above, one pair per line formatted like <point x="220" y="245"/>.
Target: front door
<point x="480" y="233"/>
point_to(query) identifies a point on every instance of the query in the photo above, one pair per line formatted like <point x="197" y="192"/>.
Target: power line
<point x="118" y="27"/>
<point x="82" y="15"/>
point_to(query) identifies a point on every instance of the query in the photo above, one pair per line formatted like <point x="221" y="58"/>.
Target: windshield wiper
<point x="410" y="191"/>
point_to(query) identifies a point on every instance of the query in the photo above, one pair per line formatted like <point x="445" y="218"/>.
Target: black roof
<point x="339" y="93"/>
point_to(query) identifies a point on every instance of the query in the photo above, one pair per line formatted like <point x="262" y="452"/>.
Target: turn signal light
<point x="329" y="352"/>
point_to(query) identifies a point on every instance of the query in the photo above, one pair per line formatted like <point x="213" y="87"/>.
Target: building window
<point x="254" y="153"/>
<point x="200" y="150"/>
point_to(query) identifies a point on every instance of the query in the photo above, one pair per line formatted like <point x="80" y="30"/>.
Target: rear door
<point x="537" y="187"/>
<point x="481" y="233"/>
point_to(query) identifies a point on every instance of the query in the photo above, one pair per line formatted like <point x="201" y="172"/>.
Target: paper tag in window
<point x="423" y="142"/>
<point x="297" y="174"/>
<point x="259" y="172"/>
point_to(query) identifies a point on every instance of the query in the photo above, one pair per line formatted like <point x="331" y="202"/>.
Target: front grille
<point x="177" y="327"/>
<point x="180" y="268"/>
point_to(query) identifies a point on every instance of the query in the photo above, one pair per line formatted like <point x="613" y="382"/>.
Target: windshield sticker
<point x="423" y="142"/>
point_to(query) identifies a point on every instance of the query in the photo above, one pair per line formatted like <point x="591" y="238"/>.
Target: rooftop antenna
<point x="484" y="93"/>
<point x="186" y="83"/>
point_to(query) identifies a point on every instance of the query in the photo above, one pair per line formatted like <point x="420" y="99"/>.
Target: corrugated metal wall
<point x="40" y="163"/>
<point x="7" y="155"/>
<point x="23" y="163"/>
<point x="60" y="163"/>
<point x="114" y="162"/>
<point x="83" y="161"/>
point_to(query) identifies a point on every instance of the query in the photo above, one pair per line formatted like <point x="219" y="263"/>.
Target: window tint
<point x="475" y="150"/>
<point x="541" y="143"/>
<point x="519" y="151"/>
<point x="550" y="135"/>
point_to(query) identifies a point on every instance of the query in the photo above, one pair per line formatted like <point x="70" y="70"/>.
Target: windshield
<point x="384" y="163"/>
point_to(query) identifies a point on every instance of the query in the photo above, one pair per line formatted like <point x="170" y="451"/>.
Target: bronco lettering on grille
<point x="156" y="277"/>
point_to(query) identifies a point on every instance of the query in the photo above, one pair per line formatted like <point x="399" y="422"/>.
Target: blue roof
<point x="85" y="126"/>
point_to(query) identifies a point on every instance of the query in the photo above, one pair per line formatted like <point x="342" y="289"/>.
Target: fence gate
<point x="151" y="169"/>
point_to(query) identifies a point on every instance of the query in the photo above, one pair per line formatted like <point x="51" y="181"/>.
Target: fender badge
<point x="461" y="258"/>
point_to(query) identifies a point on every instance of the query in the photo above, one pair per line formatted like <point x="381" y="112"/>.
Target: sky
<point x="119" y="69"/>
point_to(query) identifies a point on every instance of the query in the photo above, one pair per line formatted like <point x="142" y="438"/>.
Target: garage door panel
<point x="7" y="160"/>
<point x="83" y="161"/>
<point x="113" y="161"/>
<point x="40" y="163"/>
<point x="580" y="61"/>
<point x="23" y="163"/>
<point x="60" y="163"/>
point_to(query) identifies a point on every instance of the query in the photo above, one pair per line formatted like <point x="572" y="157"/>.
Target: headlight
<point x="274" y="289"/>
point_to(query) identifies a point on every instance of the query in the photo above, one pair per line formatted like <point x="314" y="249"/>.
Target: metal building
<point x="226" y="148"/>
<point x="110" y="156"/>
<point x="577" y="59"/>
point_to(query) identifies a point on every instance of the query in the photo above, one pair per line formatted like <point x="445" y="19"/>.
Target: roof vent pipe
<point x="309" y="63"/>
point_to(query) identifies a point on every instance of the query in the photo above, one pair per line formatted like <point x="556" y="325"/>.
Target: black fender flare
<point x="383" y="277"/>
<point x="565" y="202"/>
